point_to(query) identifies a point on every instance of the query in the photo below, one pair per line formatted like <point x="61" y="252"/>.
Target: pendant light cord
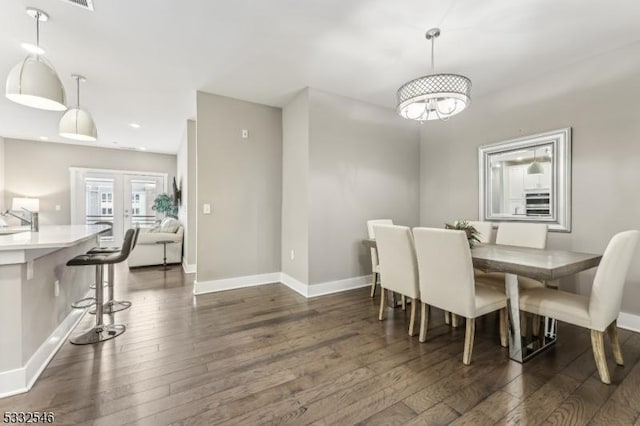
<point x="78" y="92"/>
<point x="38" y="34"/>
<point x="433" y="44"/>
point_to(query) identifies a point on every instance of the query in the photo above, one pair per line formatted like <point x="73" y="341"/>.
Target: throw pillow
<point x="169" y="225"/>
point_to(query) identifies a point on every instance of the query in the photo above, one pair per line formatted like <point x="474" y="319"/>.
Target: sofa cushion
<point x="169" y="225"/>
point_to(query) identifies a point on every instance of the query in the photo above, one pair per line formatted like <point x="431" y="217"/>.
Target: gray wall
<point x="598" y="98"/>
<point x="364" y="164"/>
<point x="295" y="191"/>
<point x="41" y="169"/>
<point x="186" y="176"/>
<point x="242" y="180"/>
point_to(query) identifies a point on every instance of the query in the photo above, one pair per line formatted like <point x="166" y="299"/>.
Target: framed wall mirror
<point x="527" y="179"/>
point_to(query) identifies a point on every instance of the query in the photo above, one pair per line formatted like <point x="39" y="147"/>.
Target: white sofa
<point x="149" y="252"/>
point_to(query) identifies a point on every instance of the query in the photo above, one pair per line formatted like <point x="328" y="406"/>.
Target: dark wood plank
<point x="266" y="355"/>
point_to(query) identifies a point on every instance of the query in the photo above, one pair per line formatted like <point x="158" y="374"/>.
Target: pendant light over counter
<point x="34" y="82"/>
<point x="77" y="123"/>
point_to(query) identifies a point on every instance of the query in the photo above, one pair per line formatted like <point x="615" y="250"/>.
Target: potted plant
<point x="165" y="204"/>
<point x="463" y="225"/>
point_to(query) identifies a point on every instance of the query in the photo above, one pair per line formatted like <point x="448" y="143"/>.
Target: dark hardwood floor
<point x="265" y="355"/>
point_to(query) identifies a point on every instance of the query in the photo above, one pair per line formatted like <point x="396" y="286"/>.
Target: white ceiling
<point x="145" y="59"/>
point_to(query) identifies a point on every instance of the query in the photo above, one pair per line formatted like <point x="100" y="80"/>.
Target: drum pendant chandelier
<point x="34" y="82"/>
<point x="77" y="123"/>
<point x="435" y="96"/>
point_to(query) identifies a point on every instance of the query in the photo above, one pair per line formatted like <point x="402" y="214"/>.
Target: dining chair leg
<point x="424" y="322"/>
<point x="615" y="343"/>
<point x="412" y="320"/>
<point x="382" y="303"/>
<point x="447" y="317"/>
<point x="468" y="340"/>
<point x="373" y="284"/>
<point x="404" y="302"/>
<point x="454" y="320"/>
<point x="597" y="345"/>
<point x="504" y="328"/>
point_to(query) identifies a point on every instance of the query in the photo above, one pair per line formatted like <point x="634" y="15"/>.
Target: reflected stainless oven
<point x="538" y="204"/>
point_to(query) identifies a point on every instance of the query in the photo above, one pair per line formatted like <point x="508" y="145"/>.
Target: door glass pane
<point x="99" y="203"/>
<point x="143" y="193"/>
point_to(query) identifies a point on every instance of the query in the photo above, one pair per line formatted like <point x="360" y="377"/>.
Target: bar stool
<point x="112" y="306"/>
<point x="101" y="331"/>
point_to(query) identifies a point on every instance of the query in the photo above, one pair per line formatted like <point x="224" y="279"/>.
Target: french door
<point x="121" y="198"/>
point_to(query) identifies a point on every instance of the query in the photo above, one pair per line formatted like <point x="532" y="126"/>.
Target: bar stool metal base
<point x="99" y="334"/>
<point x="85" y="303"/>
<point x="113" y="306"/>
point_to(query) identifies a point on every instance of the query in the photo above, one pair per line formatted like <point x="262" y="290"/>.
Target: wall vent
<point x="85" y="4"/>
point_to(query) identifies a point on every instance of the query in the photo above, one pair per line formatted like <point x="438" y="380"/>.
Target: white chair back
<point x="445" y="270"/>
<point x="608" y="284"/>
<point x="532" y="235"/>
<point x="485" y="229"/>
<point x="398" y="266"/>
<point x="372" y="235"/>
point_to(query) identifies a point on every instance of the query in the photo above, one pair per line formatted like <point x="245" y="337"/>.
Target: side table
<point x="164" y="260"/>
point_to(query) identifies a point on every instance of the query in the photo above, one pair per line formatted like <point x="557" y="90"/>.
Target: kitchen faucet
<point x="35" y="227"/>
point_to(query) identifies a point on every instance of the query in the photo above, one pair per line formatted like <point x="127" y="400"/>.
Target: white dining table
<point x="542" y="264"/>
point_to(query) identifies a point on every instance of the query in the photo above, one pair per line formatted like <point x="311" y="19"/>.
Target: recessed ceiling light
<point x="134" y="125"/>
<point x="43" y="138"/>
<point x="142" y="148"/>
<point x="519" y="159"/>
<point x="32" y="48"/>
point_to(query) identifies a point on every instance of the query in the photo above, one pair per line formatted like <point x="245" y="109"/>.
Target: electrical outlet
<point x="56" y="288"/>
<point x="292" y="255"/>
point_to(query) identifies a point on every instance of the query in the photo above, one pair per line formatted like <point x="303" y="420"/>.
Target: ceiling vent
<point x="85" y="4"/>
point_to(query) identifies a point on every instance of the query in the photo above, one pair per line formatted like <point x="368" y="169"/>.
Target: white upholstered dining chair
<point x="600" y="311"/>
<point x="398" y="266"/>
<point x="531" y="235"/>
<point x="485" y="230"/>
<point x="447" y="282"/>
<point x="375" y="268"/>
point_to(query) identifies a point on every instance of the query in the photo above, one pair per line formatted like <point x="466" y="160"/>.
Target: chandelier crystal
<point x="435" y="96"/>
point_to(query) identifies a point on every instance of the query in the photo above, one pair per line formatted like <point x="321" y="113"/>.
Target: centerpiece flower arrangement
<point x="463" y="225"/>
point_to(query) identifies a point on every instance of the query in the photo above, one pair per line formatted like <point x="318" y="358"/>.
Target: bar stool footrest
<point x="112" y="307"/>
<point x="93" y="286"/>
<point x="85" y="303"/>
<point x="99" y="334"/>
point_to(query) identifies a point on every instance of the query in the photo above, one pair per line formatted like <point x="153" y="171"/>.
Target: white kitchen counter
<point x="48" y="236"/>
<point x="24" y="246"/>
<point x="36" y="290"/>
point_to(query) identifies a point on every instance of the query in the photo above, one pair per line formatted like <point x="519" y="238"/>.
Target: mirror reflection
<point x="521" y="182"/>
<point x="528" y="179"/>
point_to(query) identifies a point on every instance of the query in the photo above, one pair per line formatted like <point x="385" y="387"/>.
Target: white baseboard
<point x="306" y="290"/>
<point x="294" y="284"/>
<point x="22" y="379"/>
<point x="200" y="287"/>
<point x="629" y="322"/>
<point x="189" y="268"/>
<point x="329" y="287"/>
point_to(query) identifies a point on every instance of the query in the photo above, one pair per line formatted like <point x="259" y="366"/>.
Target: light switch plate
<point x="206" y="208"/>
<point x="245" y="134"/>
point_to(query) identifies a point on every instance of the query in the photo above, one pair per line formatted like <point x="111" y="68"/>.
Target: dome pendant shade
<point x="535" y="168"/>
<point x="34" y="83"/>
<point x="78" y="124"/>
